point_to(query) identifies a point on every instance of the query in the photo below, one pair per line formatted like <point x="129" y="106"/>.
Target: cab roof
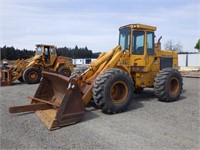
<point x="40" y="45"/>
<point x="139" y="26"/>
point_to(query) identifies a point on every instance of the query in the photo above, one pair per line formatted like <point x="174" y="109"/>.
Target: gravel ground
<point x="147" y="124"/>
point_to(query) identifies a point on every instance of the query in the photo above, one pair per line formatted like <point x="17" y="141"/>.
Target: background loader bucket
<point x="5" y="75"/>
<point x="57" y="101"/>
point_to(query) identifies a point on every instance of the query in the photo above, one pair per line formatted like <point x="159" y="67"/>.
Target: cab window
<point x="52" y="50"/>
<point x="124" y="38"/>
<point x="150" y="43"/>
<point x="46" y="51"/>
<point x="138" y="43"/>
<point x="38" y="51"/>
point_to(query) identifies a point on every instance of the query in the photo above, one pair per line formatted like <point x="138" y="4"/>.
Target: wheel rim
<point x="33" y="75"/>
<point x="174" y="86"/>
<point x="119" y="92"/>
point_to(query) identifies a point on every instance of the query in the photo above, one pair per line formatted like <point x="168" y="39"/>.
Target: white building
<point x="189" y="60"/>
<point x="83" y="61"/>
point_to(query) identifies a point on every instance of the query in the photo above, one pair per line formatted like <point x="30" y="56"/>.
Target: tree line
<point x="11" y="53"/>
<point x="76" y="52"/>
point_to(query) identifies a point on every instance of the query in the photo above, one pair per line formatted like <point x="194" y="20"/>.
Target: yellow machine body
<point x="141" y="67"/>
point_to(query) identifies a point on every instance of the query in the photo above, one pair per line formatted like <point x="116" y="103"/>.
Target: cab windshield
<point x="124" y="38"/>
<point x="38" y="51"/>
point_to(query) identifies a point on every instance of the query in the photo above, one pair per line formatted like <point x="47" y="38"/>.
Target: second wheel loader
<point x="29" y="70"/>
<point x="110" y="81"/>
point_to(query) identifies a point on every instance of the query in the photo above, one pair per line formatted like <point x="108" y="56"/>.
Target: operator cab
<point x="138" y="39"/>
<point x="48" y="52"/>
<point x="133" y="37"/>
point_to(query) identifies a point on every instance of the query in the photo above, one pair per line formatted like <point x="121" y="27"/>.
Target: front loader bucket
<point x="57" y="101"/>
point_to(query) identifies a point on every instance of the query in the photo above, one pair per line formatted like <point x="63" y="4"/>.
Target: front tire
<point x="113" y="90"/>
<point x="168" y="85"/>
<point x="32" y="75"/>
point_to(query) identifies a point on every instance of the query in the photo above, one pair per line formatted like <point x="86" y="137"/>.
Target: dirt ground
<point x="147" y="123"/>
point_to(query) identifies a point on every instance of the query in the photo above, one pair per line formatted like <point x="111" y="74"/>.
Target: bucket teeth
<point x="27" y="108"/>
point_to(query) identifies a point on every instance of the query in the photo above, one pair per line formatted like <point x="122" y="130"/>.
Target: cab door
<point x="46" y="55"/>
<point x="150" y="51"/>
<point x="138" y="50"/>
<point x="53" y="55"/>
<point x="143" y="55"/>
<point x="142" y="59"/>
<point x="49" y="55"/>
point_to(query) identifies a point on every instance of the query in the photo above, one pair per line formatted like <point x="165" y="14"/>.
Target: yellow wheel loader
<point x="110" y="81"/>
<point x="29" y="70"/>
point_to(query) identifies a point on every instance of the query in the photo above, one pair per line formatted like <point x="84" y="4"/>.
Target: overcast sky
<point x="95" y="23"/>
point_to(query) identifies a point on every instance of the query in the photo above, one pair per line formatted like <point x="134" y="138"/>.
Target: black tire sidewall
<point x="108" y="85"/>
<point x="162" y="85"/>
<point x="179" y="78"/>
<point x="29" y="70"/>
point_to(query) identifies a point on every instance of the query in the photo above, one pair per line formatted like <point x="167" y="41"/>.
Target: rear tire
<point x="64" y="71"/>
<point x="113" y="90"/>
<point x="168" y="85"/>
<point x="32" y="75"/>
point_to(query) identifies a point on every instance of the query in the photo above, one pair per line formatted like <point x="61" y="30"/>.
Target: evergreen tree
<point x="11" y="53"/>
<point x="197" y="46"/>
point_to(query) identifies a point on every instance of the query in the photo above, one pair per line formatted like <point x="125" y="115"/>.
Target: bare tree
<point x="171" y="45"/>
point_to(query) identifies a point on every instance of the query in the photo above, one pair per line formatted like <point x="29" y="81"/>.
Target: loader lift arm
<point x="104" y="62"/>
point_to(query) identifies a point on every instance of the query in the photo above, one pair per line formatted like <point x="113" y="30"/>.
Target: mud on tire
<point x="168" y="85"/>
<point x="113" y="90"/>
